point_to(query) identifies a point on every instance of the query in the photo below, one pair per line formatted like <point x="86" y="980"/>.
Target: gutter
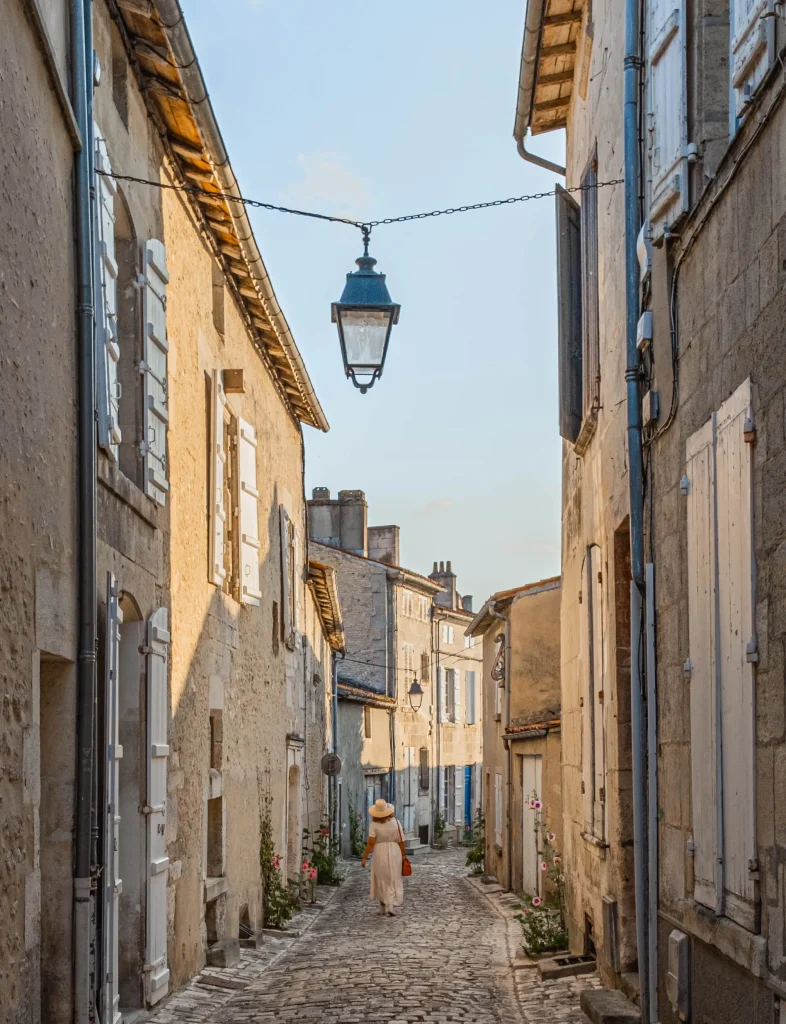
<point x="528" y="73"/>
<point x="84" y="892"/>
<point x="174" y="25"/>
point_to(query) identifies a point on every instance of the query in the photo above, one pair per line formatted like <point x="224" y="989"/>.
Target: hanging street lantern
<point x="365" y="316"/>
<point x="415" y="695"/>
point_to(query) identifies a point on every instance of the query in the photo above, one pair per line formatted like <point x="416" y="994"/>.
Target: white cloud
<point x="437" y="505"/>
<point x="329" y="187"/>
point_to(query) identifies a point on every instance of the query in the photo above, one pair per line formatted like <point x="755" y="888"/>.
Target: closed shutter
<point x="752" y="50"/>
<point x="441" y="789"/>
<point x="424" y="773"/>
<point x="218" y="458"/>
<point x="590" y="294"/>
<point x="249" y="515"/>
<point x="498" y="809"/>
<point x="107" y="345"/>
<point x="155" y="383"/>
<point x="443" y="695"/>
<point x="295" y="576"/>
<point x="598" y="695"/>
<point x="470" y="699"/>
<point x="457" y="695"/>
<point x="667" y="115"/>
<point x="458" y="785"/>
<point x="700" y="472"/>
<point x="156" y="969"/>
<point x="736" y="648"/>
<point x="113" y="885"/>
<point x="586" y="699"/>
<point x="569" y="348"/>
<point x="286" y="593"/>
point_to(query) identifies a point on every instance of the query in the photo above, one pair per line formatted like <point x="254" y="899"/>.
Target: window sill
<point x="728" y="937"/>
<point x="127" y="491"/>
<point x="215" y="887"/>
<point x="587" y="432"/>
<point x="592" y="840"/>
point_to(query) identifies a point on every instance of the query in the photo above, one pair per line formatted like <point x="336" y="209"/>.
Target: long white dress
<point x="386" y="883"/>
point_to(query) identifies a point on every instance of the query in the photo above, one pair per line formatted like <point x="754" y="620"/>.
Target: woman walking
<point x="386" y="839"/>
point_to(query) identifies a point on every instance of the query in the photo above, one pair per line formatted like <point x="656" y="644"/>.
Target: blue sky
<point x="376" y="110"/>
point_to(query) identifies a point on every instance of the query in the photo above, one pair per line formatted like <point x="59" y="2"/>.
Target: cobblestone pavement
<point x="448" y="956"/>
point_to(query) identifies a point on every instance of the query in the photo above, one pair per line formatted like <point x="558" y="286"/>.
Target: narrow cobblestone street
<point x="446" y="957"/>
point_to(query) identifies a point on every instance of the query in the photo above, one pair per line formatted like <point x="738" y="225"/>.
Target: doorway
<point x="468" y="809"/>
<point x="531" y="788"/>
<point x="130" y="829"/>
<point x="294" y="812"/>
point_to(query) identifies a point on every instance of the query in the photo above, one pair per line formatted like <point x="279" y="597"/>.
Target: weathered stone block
<point x="604" y="1006"/>
<point x="225" y="953"/>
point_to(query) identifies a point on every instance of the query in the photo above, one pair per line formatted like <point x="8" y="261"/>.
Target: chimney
<point x="448" y="598"/>
<point x="466" y="602"/>
<point x="324" y="523"/>
<point x="353" y="522"/>
<point x="383" y="544"/>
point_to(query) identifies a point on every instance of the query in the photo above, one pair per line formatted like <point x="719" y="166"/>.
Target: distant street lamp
<point x="415" y="695"/>
<point x="365" y="316"/>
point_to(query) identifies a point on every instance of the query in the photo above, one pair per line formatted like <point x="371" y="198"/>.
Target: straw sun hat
<point x="381" y="809"/>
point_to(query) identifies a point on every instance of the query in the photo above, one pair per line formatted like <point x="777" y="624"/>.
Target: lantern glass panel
<point x="365" y="332"/>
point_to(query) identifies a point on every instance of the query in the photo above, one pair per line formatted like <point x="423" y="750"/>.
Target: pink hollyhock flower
<point x="536" y="901"/>
<point x="544" y="866"/>
<point x="558" y="860"/>
<point x="277" y="861"/>
<point x="551" y="837"/>
<point x="306" y="865"/>
<point x="537" y="805"/>
<point x="312" y="874"/>
<point x="532" y="801"/>
<point x="325" y="832"/>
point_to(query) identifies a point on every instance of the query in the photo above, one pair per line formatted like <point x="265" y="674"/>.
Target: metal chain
<point x="363" y="226"/>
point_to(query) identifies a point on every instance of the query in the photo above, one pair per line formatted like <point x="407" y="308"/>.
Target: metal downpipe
<point x="635" y="478"/>
<point x="82" y="49"/>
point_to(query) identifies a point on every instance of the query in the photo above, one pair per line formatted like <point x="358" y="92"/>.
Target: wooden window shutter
<point x="667" y="116"/>
<point x="469" y="678"/>
<point x="107" y="345"/>
<point x="248" y="515"/>
<point x="286" y="577"/>
<point x="218" y="458"/>
<point x="442" y="692"/>
<point x="737" y="649"/>
<point x="590" y="295"/>
<point x="112" y="882"/>
<point x="595" y="590"/>
<point x="457" y="695"/>
<point x="156" y="970"/>
<point x="154" y="372"/>
<point x="752" y="51"/>
<point x="569" y="314"/>
<point x="424" y="772"/>
<point x="700" y="472"/>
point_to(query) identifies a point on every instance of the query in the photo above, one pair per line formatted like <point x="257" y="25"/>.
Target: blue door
<point x="468" y="796"/>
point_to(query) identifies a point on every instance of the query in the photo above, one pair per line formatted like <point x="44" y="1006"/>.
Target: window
<point x="498" y="809"/>
<point x="367" y="722"/>
<point x="593" y="744"/>
<point x="289" y="578"/>
<point x="723" y="650"/>
<point x="448" y="794"/>
<point x="450" y="695"/>
<point x="424" y="667"/>
<point x="423" y="609"/>
<point x="408" y="660"/>
<point x="423" y="776"/>
<point x="469" y="678"/>
<point x="447" y="634"/>
<point x="469" y="641"/>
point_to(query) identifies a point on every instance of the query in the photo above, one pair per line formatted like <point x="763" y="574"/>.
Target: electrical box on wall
<point x="650" y="408"/>
<point x="678" y="976"/>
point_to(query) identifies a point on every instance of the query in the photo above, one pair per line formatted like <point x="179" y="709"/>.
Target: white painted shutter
<point x="286" y="597"/>
<point x="443" y="694"/>
<point x="107" y="345"/>
<point x="218" y="458"/>
<point x="587" y="697"/>
<point x="113" y="885"/>
<point x="470" y="700"/>
<point x="668" y="114"/>
<point x="156" y="969"/>
<point x="700" y="472"/>
<point x="752" y="51"/>
<point x="249" y="515"/>
<point x="458" y="786"/>
<point x="294" y="554"/>
<point x="457" y="695"/>
<point x="498" y="809"/>
<point x="598" y="695"/>
<point x="737" y="645"/>
<point x="441" y="790"/>
<point x="154" y="372"/>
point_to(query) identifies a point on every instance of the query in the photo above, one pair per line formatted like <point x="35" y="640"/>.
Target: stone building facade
<point x="426" y="753"/>
<point x="216" y="639"/>
<point x="709" y="372"/>
<point x="522" y="786"/>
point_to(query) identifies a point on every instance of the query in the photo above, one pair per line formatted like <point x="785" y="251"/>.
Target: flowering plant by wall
<point x="543" y="918"/>
<point x="278" y="902"/>
<point x="321" y="854"/>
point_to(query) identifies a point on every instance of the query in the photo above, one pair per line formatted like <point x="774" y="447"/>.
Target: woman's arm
<point x="369" y="847"/>
<point x="401" y="845"/>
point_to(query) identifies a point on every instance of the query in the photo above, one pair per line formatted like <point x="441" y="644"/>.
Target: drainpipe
<point x="81" y="56"/>
<point x="436" y="619"/>
<point x="527" y="75"/>
<point x="503" y="617"/>
<point x="632" y="63"/>
<point x="539" y="161"/>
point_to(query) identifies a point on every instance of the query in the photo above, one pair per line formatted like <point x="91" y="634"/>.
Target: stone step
<point x="609" y="1006"/>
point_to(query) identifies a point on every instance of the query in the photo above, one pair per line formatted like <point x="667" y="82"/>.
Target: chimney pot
<point x="321" y="494"/>
<point x="447" y="567"/>
<point x="441" y="566"/>
<point x="435" y="568"/>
